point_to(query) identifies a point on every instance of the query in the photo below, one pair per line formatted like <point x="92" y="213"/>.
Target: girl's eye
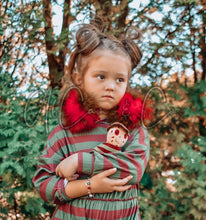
<point x="120" y="80"/>
<point x="125" y="136"/>
<point x="116" y="132"/>
<point x="100" y="77"/>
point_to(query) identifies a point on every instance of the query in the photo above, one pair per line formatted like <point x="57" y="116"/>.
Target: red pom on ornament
<point x="133" y="110"/>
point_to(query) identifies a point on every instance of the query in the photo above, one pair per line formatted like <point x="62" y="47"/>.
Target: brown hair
<point x="88" y="39"/>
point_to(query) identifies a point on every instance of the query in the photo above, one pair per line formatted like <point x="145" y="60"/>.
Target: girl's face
<point x="106" y="78"/>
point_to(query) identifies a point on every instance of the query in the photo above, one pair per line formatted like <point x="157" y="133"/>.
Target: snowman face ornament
<point x="117" y="134"/>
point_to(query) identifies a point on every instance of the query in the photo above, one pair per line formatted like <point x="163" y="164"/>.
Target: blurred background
<point x="36" y="38"/>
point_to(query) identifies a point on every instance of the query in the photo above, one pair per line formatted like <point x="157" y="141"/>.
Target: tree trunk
<point x="113" y="12"/>
<point x="67" y="19"/>
<point x="123" y="15"/>
<point x="104" y="11"/>
<point x="56" y="62"/>
<point x="49" y="40"/>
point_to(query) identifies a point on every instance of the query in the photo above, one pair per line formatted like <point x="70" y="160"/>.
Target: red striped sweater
<point x="131" y="160"/>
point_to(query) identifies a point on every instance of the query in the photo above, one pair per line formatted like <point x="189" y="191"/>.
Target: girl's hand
<point x="101" y="183"/>
<point x="68" y="167"/>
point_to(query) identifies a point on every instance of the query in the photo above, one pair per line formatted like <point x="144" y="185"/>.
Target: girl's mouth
<point x="108" y="97"/>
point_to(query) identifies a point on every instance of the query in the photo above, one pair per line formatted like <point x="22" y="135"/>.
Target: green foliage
<point x="190" y="184"/>
<point x="184" y="197"/>
<point x="20" y="146"/>
<point x="197" y="99"/>
<point x="190" y="180"/>
<point x="146" y="181"/>
<point x="200" y="141"/>
<point x="157" y="204"/>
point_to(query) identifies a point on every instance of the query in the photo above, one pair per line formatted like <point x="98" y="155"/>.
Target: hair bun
<point x="133" y="50"/>
<point x="87" y="39"/>
<point x="130" y="42"/>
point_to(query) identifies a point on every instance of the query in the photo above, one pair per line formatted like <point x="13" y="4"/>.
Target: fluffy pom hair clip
<point x="132" y="111"/>
<point x="76" y="118"/>
<point x="79" y="115"/>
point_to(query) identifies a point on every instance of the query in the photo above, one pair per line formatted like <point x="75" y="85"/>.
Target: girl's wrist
<point x="89" y="188"/>
<point x="77" y="188"/>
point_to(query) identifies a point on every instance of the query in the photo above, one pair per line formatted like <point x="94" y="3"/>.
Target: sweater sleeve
<point x="51" y="187"/>
<point x="107" y="148"/>
<point x="132" y="160"/>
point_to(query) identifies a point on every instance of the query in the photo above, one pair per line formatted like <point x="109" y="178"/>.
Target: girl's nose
<point x="110" y="85"/>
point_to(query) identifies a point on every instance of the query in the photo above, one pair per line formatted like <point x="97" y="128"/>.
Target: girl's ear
<point x="77" y="77"/>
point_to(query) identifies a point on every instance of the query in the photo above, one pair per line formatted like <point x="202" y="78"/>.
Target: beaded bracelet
<point x="88" y="184"/>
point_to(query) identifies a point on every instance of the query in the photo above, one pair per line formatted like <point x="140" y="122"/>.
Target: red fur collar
<point x="78" y="115"/>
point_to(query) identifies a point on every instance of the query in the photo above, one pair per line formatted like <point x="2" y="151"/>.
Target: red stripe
<point x="80" y="162"/>
<point x="111" y="200"/>
<point x="137" y="166"/>
<point x="55" y="148"/>
<point x="40" y="175"/>
<point x="55" y="188"/>
<point x="55" y="130"/>
<point x="98" y="214"/>
<point x="50" y="166"/>
<point x="103" y="125"/>
<point x="80" y="151"/>
<point x="107" y="164"/>
<point x="87" y="138"/>
<point x="103" y="149"/>
<point x="124" y="168"/>
<point x="143" y="157"/>
<point x="59" y="186"/>
<point x="142" y="154"/>
<point x="42" y="189"/>
<point x="113" y="146"/>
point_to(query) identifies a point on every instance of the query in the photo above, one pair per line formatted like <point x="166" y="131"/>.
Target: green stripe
<point x="95" y="131"/>
<point x="50" y="187"/>
<point x="87" y="167"/>
<point x="56" y="136"/>
<point x="85" y="145"/>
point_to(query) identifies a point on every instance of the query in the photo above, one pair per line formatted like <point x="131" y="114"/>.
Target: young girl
<point x="82" y="182"/>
